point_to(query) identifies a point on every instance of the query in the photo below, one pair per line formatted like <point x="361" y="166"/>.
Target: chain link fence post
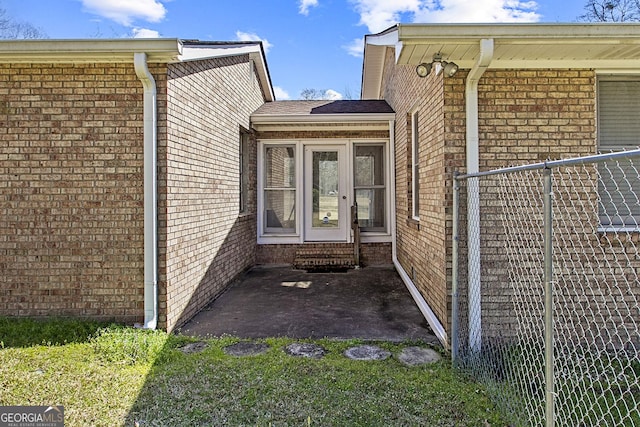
<point x="547" y="318"/>
<point x="548" y="296"/>
<point x="455" y="329"/>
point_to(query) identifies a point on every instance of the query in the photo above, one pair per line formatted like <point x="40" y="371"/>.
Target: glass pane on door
<point x="326" y="197"/>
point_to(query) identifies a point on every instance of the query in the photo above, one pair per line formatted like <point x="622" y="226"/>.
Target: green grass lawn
<point x="112" y="375"/>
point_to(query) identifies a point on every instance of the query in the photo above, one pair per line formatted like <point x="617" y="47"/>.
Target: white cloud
<point x="145" y="33"/>
<point x="332" y="95"/>
<point x="306" y="4"/>
<point x="482" y="11"/>
<point x="251" y="37"/>
<point x="280" y="93"/>
<point x="355" y="48"/>
<point x="379" y="15"/>
<point x="126" y="11"/>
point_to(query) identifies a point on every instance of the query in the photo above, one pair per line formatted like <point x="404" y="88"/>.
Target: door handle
<point x="344" y="197"/>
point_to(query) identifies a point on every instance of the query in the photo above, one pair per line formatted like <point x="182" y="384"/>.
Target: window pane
<point x="369" y="167"/>
<point x="280" y="211"/>
<point x="325" y="189"/>
<point x="618" y="109"/>
<point x="619" y="188"/>
<point x="618" y="129"/>
<point x="280" y="167"/>
<point x="244" y="169"/>
<point x="371" y="208"/>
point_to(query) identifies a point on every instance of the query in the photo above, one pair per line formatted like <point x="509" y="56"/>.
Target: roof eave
<point x="168" y="50"/>
<point x="375" y="47"/>
<point x="322" y="118"/>
<point x="88" y="50"/>
<point x="194" y="51"/>
<point x="576" y="32"/>
<point x="601" y="46"/>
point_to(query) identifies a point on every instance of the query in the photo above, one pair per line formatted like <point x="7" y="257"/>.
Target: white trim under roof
<point x="194" y="51"/>
<point x="523" y="46"/>
<point x="167" y="51"/>
<point x="89" y="50"/>
<point x="367" y="121"/>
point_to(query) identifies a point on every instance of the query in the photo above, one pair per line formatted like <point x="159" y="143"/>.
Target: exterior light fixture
<point x="423" y="69"/>
<point x="448" y="68"/>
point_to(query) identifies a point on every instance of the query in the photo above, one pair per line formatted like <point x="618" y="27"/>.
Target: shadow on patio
<point x="370" y="303"/>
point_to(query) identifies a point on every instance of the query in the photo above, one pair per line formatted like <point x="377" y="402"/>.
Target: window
<point x="618" y="129"/>
<point x="415" y="167"/>
<point x="244" y="170"/>
<point x="279" y="189"/>
<point x="369" y="186"/>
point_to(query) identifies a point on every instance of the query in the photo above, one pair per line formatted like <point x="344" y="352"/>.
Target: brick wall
<point x="71" y="196"/>
<point x="524" y="116"/>
<point x="206" y="241"/>
<point x="421" y="246"/>
<point x="370" y="253"/>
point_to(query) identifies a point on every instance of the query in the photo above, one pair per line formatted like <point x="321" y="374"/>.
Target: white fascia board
<point x="88" y="50"/>
<point x="208" y="51"/>
<point x="574" y="32"/>
<point x="386" y="38"/>
<point x="519" y="64"/>
<point x="323" y="118"/>
<point x="373" y="62"/>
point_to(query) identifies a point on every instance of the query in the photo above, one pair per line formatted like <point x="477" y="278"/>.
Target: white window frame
<point x="243" y="182"/>
<point x="385" y="228"/>
<point x="298" y="236"/>
<point x="612" y="77"/>
<point x="265" y="237"/>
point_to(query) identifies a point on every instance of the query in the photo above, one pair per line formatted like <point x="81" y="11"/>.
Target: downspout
<point x="428" y="314"/>
<point x="150" y="192"/>
<point x="473" y="193"/>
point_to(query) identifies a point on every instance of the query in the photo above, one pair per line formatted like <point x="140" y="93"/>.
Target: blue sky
<point x="310" y="43"/>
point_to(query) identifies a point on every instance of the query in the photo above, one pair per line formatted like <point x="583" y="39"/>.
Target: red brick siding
<point x="71" y="196"/>
<point x="421" y="246"/>
<point x="524" y="116"/>
<point x="207" y="242"/>
<point x="370" y="253"/>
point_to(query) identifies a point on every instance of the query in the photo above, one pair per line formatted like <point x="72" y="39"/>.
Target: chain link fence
<point x="546" y="289"/>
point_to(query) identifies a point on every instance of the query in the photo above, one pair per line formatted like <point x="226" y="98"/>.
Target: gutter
<point x="426" y="311"/>
<point x="150" y="192"/>
<point x="473" y="192"/>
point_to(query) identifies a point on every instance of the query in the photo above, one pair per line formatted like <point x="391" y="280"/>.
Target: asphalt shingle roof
<point x="278" y="108"/>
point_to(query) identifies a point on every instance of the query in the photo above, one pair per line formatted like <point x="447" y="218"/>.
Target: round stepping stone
<point x="367" y="352"/>
<point x="305" y="350"/>
<point x="416" y="356"/>
<point x="193" y="347"/>
<point x="245" y="349"/>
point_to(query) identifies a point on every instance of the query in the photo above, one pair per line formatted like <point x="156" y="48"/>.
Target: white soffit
<point x="525" y="45"/>
<point x="88" y="50"/>
<point x="194" y="51"/>
<point x="78" y="51"/>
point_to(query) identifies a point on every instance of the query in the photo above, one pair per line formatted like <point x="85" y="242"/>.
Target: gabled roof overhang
<point x="122" y="50"/>
<point x="365" y="121"/>
<point x="323" y="115"/>
<point x="522" y="46"/>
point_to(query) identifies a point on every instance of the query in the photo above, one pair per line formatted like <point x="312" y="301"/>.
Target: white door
<point x="325" y="190"/>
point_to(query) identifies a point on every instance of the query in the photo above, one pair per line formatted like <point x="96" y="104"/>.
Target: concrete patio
<point x="370" y="303"/>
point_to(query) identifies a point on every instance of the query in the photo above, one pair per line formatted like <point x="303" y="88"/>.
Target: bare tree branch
<point x="12" y="29"/>
<point x="611" y="11"/>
